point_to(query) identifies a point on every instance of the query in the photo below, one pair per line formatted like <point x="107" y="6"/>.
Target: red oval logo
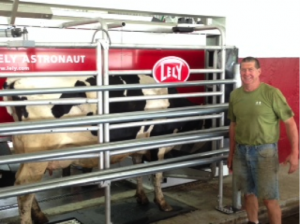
<point x="171" y="69"/>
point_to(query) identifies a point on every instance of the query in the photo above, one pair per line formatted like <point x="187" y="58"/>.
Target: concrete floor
<point x="203" y="197"/>
<point x="200" y="195"/>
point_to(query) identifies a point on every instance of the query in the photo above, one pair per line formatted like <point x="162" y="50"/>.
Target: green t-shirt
<point x="257" y="114"/>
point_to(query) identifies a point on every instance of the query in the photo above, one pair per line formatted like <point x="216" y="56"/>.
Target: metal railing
<point x="106" y="122"/>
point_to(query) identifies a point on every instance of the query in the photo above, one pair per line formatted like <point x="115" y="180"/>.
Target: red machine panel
<point x="39" y="59"/>
<point x="283" y="73"/>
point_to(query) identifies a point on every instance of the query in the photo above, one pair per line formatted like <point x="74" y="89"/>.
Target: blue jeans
<point x="255" y="170"/>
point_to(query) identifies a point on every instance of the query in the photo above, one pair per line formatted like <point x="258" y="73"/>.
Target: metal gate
<point x="104" y="121"/>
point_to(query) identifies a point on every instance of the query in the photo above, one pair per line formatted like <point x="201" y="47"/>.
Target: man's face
<point x="249" y="73"/>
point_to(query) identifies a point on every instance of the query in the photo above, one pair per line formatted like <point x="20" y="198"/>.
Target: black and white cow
<point x="32" y="172"/>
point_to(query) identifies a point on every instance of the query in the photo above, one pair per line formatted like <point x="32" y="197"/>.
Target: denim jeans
<point x="255" y="170"/>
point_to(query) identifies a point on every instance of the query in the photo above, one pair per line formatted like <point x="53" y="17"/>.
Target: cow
<point x="33" y="172"/>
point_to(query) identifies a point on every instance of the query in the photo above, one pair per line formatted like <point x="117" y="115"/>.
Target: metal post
<point x="222" y="119"/>
<point x="14" y="12"/>
<point x="237" y="78"/>
<point x="206" y="74"/>
<point x="236" y="196"/>
<point x="99" y="97"/>
<point x="214" y="98"/>
<point x="106" y="130"/>
<point x="214" y="101"/>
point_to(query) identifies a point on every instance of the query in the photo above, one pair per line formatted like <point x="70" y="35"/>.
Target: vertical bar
<point x="237" y="197"/>
<point x="237" y="78"/>
<point x="215" y="76"/>
<point x="14" y="11"/>
<point x="237" y="200"/>
<point x="106" y="132"/>
<point x="222" y="119"/>
<point x="99" y="97"/>
<point x="214" y="100"/>
<point x="206" y="74"/>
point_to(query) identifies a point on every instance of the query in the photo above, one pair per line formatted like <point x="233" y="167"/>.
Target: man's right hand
<point x="232" y="145"/>
<point x="229" y="162"/>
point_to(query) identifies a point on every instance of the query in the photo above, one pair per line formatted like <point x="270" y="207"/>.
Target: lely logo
<point x="171" y="69"/>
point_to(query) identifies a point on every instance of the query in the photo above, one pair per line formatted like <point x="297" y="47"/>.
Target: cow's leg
<point x="159" y="198"/>
<point x="36" y="213"/>
<point x="30" y="173"/>
<point x="141" y="197"/>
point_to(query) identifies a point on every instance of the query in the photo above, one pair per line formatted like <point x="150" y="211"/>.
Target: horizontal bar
<point x="111" y="87"/>
<point x="134" y="144"/>
<point x="113" y="126"/>
<point x="167" y="47"/>
<point x="162" y="27"/>
<point x="149" y="72"/>
<point x="199" y="28"/>
<point x="153" y="122"/>
<point x="67" y="5"/>
<point x="90" y="73"/>
<point x="53" y="130"/>
<point x="130" y="72"/>
<point x="121" y="46"/>
<point x="80" y="22"/>
<point x="170" y="47"/>
<point x="111" y="118"/>
<point x="46" y="74"/>
<point x="90" y="21"/>
<point x="111" y="174"/>
<point x="115" y="25"/>
<point x="157" y="146"/>
<point x="96" y="155"/>
<point x="60" y="45"/>
<point x="167" y="96"/>
<point x="62" y="101"/>
<point x="67" y="101"/>
<point x="192" y="71"/>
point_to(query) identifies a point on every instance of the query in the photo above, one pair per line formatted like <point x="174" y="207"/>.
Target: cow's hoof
<point x="163" y="205"/>
<point x="142" y="199"/>
<point x="40" y="218"/>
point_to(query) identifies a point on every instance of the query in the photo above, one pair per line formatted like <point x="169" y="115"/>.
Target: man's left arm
<point x="292" y="132"/>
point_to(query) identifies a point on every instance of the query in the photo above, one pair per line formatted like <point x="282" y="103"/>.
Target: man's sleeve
<point x="231" y="115"/>
<point x="281" y="107"/>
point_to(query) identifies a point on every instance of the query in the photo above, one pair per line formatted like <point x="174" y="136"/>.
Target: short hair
<point x="251" y="59"/>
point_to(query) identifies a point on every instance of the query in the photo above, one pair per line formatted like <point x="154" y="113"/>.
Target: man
<point x="255" y="110"/>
